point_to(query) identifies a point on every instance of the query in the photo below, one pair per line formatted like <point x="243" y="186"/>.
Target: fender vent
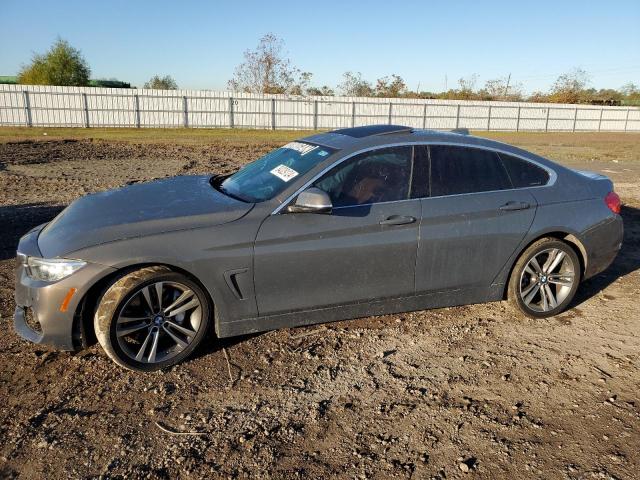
<point x="231" y="277"/>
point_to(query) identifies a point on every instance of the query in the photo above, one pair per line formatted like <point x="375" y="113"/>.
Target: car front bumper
<point x="40" y="316"/>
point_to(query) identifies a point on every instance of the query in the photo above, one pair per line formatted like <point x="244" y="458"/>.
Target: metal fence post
<point x="489" y="119"/>
<point x="458" y="116"/>
<point x="575" y="119"/>
<point x="27" y="108"/>
<point x="86" y="110"/>
<point x="273" y="114"/>
<point x="230" y="112"/>
<point x="136" y="104"/>
<point x="390" y="111"/>
<point x="315" y="114"/>
<point x="185" y="119"/>
<point x="626" y="119"/>
<point x="424" y="116"/>
<point x="600" y="119"/>
<point x="353" y="114"/>
<point x="518" y="120"/>
<point x="546" y="122"/>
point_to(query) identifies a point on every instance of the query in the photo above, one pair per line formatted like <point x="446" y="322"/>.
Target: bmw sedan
<point x="355" y="222"/>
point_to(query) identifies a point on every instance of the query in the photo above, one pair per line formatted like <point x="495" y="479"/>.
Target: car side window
<point x="381" y="175"/>
<point x="456" y="170"/>
<point x="522" y="173"/>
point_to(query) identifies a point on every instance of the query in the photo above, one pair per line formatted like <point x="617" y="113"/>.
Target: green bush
<point x="61" y="65"/>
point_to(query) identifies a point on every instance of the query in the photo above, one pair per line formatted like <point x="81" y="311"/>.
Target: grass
<point x="599" y="146"/>
<point x="151" y="135"/>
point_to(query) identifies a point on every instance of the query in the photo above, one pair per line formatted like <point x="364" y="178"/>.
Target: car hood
<point x="171" y="204"/>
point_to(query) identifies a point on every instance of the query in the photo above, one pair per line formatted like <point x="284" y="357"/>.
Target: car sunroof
<point x="367" y="131"/>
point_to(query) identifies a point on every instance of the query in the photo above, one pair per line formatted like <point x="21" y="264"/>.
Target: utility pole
<point x="506" y="88"/>
<point x="445" y="82"/>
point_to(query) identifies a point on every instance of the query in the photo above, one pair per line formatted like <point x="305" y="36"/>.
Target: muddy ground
<point x="450" y="393"/>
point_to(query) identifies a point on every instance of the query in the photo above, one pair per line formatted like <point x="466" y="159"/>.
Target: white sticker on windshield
<point x="302" y="148"/>
<point x="284" y="173"/>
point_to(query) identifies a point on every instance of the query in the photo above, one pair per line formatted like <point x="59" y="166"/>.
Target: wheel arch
<point x="569" y="238"/>
<point x="83" y="330"/>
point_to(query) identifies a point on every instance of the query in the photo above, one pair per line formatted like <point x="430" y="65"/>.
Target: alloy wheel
<point x="547" y="280"/>
<point x="158" y="322"/>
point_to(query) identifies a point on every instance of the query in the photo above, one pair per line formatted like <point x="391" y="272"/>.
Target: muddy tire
<point x="545" y="278"/>
<point x="152" y="318"/>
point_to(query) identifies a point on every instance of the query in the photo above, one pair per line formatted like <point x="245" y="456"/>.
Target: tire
<point x="544" y="287"/>
<point x="139" y="331"/>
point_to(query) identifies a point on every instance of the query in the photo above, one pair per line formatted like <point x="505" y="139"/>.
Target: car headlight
<point x="52" y="270"/>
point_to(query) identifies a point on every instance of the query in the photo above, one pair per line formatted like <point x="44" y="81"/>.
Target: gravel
<point x="441" y="394"/>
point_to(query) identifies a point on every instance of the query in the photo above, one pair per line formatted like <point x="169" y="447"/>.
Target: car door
<point x="365" y="249"/>
<point x="472" y="218"/>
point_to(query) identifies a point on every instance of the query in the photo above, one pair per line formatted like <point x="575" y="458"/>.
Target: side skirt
<point x="450" y="298"/>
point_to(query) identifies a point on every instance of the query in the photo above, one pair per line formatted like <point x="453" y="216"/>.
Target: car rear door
<point x="364" y="250"/>
<point x="472" y="221"/>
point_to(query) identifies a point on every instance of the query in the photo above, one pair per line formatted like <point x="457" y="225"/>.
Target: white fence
<point x="26" y="105"/>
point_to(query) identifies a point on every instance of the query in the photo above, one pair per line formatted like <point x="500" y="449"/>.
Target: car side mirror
<point x="312" y="200"/>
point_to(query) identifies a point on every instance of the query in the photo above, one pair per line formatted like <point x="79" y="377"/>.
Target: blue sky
<point x="199" y="43"/>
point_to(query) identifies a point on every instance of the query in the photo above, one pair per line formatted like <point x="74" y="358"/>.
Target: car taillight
<point x="613" y="202"/>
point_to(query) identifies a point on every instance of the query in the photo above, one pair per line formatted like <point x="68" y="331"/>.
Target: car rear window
<point x="522" y="173"/>
<point x="457" y="170"/>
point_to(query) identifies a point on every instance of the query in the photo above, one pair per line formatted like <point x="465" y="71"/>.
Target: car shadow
<point x="627" y="260"/>
<point x="213" y="345"/>
<point x="16" y="220"/>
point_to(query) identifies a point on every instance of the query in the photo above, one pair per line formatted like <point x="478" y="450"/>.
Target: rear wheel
<point x="151" y="318"/>
<point x="545" y="278"/>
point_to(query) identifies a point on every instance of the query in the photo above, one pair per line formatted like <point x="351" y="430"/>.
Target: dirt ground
<point x="474" y="391"/>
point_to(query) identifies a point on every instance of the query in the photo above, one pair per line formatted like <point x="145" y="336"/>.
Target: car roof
<point x="372" y="135"/>
<point x="349" y="140"/>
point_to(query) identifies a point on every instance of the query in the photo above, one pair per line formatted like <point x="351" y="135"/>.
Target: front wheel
<point x="151" y="318"/>
<point x="545" y="278"/>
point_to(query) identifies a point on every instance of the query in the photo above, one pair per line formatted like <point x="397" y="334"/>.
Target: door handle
<point x="510" y="206"/>
<point x="397" y="220"/>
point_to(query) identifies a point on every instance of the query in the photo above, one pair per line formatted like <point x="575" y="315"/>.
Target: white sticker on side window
<point x="284" y="173"/>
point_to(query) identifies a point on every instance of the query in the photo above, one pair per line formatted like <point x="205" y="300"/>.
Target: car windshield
<point x="266" y="177"/>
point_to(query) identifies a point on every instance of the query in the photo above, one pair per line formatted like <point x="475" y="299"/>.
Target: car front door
<point x="472" y="221"/>
<point x="364" y="250"/>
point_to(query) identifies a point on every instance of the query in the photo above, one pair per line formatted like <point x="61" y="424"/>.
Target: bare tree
<point x="467" y="86"/>
<point x="324" y="91"/>
<point x="500" y="89"/>
<point x="353" y="85"/>
<point x="629" y="89"/>
<point x="161" y="83"/>
<point x="390" y="87"/>
<point x="267" y="70"/>
<point x="568" y="88"/>
<point x="631" y="94"/>
<point x="301" y="86"/>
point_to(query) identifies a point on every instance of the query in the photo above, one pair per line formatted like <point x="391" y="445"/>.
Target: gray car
<point x="355" y="222"/>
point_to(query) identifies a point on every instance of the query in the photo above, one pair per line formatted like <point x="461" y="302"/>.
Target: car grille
<point x="32" y="320"/>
